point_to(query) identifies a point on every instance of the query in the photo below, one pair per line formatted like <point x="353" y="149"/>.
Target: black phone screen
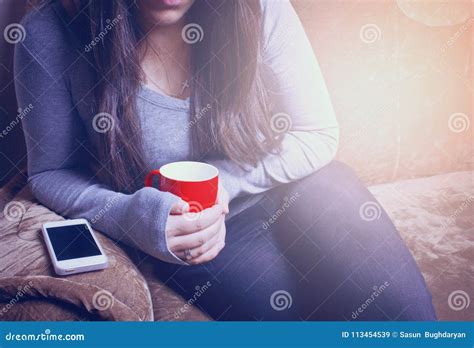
<point x="72" y="242"/>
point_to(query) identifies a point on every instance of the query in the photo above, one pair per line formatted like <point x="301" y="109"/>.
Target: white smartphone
<point x="73" y="247"/>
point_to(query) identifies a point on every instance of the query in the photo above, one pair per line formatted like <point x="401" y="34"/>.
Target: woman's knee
<point x="326" y="198"/>
<point x="331" y="186"/>
<point x="333" y="179"/>
<point x="339" y="170"/>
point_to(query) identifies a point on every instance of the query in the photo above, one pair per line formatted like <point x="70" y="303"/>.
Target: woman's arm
<point x="299" y="102"/>
<point x="58" y="159"/>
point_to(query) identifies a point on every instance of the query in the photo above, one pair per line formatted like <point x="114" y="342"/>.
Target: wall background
<point x="400" y="74"/>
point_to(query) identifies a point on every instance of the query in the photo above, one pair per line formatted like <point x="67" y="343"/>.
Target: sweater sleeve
<point x="57" y="156"/>
<point x="300" y="105"/>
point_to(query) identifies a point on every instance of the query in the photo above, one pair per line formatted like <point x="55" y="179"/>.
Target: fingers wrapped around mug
<point x="212" y="252"/>
<point x="194" y="222"/>
<point x="200" y="246"/>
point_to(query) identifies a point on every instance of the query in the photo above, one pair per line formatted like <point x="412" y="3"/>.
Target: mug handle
<point x="150" y="176"/>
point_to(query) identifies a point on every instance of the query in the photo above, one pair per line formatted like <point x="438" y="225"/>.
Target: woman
<point x="122" y="87"/>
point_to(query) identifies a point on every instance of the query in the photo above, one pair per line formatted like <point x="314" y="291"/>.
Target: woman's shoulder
<point x="273" y="8"/>
<point x="45" y="29"/>
<point x="279" y="19"/>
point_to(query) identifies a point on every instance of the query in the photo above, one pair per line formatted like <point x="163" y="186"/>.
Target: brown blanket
<point x="26" y="274"/>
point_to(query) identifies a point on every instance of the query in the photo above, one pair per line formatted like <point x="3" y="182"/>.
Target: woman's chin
<point x="168" y="17"/>
<point x="165" y="12"/>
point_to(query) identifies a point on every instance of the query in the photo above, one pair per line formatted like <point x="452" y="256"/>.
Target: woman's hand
<point x="197" y="237"/>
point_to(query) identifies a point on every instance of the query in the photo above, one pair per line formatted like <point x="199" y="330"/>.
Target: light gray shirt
<point x="55" y="76"/>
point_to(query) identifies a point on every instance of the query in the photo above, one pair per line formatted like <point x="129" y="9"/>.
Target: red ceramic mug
<point x="195" y="182"/>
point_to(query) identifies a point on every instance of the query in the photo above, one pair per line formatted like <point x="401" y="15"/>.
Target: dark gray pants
<point x="320" y="248"/>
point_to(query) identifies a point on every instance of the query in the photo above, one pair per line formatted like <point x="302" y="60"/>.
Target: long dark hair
<point x="226" y="79"/>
